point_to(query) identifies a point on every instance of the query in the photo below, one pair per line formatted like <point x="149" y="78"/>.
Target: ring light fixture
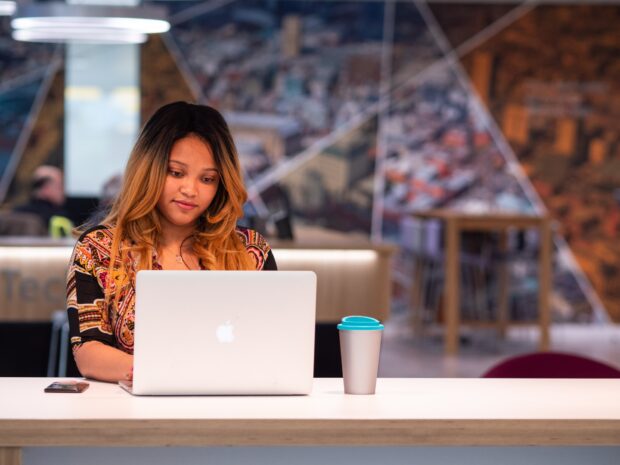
<point x="7" y="8"/>
<point x="61" y="22"/>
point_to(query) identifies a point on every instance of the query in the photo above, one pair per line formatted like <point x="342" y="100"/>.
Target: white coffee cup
<point x="360" y="346"/>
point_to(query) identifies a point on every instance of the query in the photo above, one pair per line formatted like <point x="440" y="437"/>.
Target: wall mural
<point x="555" y="91"/>
<point x="25" y="72"/>
<point x="15" y="105"/>
<point x="352" y="115"/>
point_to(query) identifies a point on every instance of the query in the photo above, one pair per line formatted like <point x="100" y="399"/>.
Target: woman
<point x="181" y="197"/>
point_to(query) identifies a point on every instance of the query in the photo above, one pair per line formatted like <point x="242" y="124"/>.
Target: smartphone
<point x="67" y="386"/>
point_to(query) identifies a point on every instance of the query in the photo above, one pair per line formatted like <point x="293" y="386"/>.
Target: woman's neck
<point x="174" y="235"/>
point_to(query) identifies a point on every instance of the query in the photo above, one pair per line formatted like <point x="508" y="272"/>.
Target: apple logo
<point x="224" y="332"/>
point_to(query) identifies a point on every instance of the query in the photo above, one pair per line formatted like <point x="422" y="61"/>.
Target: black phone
<point x="67" y="386"/>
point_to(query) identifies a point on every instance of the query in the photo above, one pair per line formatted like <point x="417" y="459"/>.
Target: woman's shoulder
<point x="100" y="236"/>
<point x="95" y="231"/>
<point x="258" y="247"/>
<point x="92" y="250"/>
<point x="253" y="239"/>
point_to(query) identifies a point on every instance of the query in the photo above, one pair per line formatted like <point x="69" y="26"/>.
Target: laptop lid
<point x="224" y="332"/>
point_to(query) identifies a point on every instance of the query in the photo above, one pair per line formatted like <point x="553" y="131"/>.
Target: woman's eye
<point x="208" y="180"/>
<point x="175" y="173"/>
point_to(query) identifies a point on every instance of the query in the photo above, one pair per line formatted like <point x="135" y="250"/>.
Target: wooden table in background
<point x="454" y="224"/>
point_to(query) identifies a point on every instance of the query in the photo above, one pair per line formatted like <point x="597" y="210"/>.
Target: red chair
<point x="551" y="365"/>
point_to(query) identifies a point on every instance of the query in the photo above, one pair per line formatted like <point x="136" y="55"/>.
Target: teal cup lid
<point x="360" y="323"/>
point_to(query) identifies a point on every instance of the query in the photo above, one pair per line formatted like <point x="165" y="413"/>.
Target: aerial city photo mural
<point x="351" y="116"/>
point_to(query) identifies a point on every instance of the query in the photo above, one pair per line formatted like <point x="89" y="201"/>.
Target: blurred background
<point x="353" y="121"/>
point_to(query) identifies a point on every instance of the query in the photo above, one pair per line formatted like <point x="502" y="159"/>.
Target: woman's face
<point x="191" y="182"/>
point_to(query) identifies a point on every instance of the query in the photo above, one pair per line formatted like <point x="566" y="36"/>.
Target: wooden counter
<point x="354" y="277"/>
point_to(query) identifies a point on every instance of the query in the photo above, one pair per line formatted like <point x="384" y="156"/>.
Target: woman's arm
<point x="92" y="336"/>
<point x="103" y="362"/>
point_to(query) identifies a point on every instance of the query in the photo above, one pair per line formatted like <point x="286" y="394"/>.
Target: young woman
<point x="181" y="197"/>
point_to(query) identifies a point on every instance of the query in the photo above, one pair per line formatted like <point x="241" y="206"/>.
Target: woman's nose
<point x="189" y="188"/>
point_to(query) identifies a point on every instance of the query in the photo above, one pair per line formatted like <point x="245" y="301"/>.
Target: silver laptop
<point x="224" y="333"/>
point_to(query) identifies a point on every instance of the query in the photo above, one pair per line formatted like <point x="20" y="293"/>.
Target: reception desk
<point x="353" y="277"/>
<point x="405" y="416"/>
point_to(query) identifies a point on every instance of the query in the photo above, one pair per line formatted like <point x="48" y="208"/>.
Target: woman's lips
<point x="185" y="205"/>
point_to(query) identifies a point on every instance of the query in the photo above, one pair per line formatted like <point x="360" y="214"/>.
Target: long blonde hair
<point x="134" y="217"/>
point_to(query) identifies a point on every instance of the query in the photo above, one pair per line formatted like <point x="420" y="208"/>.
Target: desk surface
<point x="403" y="412"/>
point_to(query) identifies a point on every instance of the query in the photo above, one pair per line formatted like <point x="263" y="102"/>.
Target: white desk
<point x="404" y="412"/>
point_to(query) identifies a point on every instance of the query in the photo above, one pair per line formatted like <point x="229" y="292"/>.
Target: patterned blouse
<point x="89" y="318"/>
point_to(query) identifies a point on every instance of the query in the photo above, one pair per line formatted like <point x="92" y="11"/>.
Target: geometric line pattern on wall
<point x="286" y="67"/>
<point x="23" y="104"/>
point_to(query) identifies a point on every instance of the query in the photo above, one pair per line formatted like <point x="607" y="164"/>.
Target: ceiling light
<point x="61" y="22"/>
<point x="7" y="8"/>
<point x="81" y="35"/>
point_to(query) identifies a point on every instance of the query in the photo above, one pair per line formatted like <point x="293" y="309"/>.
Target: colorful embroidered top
<point x="89" y="317"/>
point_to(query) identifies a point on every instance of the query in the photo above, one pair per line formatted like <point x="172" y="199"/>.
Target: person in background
<point x="47" y="201"/>
<point x="177" y="209"/>
<point x="109" y="192"/>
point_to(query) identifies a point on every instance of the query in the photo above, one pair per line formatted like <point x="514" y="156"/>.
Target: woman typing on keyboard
<point x="178" y="207"/>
